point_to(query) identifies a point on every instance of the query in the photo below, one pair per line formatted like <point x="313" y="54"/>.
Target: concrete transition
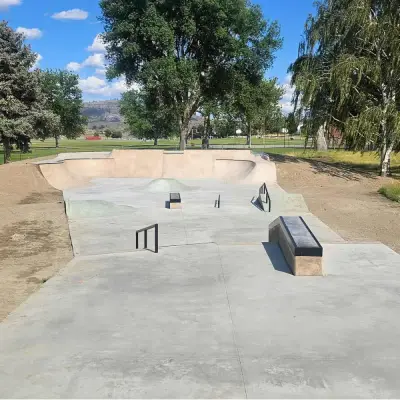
<point x="217" y="313"/>
<point x="67" y="171"/>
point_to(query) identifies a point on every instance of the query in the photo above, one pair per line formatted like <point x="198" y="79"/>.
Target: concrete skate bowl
<point x="238" y="166"/>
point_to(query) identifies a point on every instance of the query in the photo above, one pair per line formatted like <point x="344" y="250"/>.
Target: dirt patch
<point x="34" y="235"/>
<point x="344" y="198"/>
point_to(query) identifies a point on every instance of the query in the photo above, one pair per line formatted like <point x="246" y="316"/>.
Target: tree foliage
<point x="23" y="112"/>
<point x="347" y="74"/>
<point x="147" y="116"/>
<point x="187" y="50"/>
<point x="254" y="105"/>
<point x="291" y="123"/>
<point x="64" y="99"/>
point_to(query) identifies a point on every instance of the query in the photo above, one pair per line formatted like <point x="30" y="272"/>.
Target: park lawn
<point x="274" y="140"/>
<point x="47" y="148"/>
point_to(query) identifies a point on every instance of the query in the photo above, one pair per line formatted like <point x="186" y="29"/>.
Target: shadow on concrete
<point x="277" y="259"/>
<point x="349" y="172"/>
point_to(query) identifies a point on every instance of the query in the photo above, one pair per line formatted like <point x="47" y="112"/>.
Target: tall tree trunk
<point x="184" y="128"/>
<point x="7" y="149"/>
<point x="155" y="140"/>
<point x="26" y="145"/>
<point x="248" y="139"/>
<point x="321" y="141"/>
<point x="385" y="160"/>
<point x="57" y="141"/>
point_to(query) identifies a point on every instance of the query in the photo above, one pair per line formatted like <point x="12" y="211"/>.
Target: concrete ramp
<point x="241" y="166"/>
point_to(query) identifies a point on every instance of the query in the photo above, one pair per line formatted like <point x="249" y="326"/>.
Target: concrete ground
<point x="216" y="313"/>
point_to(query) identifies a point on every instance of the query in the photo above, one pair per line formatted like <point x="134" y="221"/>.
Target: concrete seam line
<point x="233" y="325"/>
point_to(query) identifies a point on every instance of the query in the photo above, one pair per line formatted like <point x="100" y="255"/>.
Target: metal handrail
<point x="155" y="226"/>
<point x="264" y="190"/>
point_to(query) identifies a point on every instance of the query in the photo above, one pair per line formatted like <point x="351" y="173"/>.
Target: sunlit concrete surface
<point x="215" y="314"/>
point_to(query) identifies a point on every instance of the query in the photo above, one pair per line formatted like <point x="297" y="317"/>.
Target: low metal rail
<point x="155" y="226"/>
<point x="264" y="191"/>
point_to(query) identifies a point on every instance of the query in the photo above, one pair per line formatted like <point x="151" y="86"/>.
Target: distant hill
<point x="104" y="113"/>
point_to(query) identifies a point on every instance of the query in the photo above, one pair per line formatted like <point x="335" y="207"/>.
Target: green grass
<point x="392" y="191"/>
<point x="47" y="148"/>
<point x="268" y="141"/>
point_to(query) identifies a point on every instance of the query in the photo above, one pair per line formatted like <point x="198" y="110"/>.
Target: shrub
<point x="391" y="191"/>
<point x="116" y="135"/>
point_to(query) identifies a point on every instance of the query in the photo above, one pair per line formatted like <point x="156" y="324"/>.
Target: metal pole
<point x="137" y="240"/>
<point x="145" y="239"/>
<point x="156" y="238"/>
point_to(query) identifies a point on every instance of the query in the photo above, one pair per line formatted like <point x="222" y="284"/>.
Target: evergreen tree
<point x="22" y="104"/>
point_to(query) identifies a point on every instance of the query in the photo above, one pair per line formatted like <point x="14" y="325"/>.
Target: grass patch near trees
<point x="391" y="191"/>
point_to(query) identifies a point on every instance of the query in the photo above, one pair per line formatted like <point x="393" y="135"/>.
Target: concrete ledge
<point x="175" y="200"/>
<point x="300" y="247"/>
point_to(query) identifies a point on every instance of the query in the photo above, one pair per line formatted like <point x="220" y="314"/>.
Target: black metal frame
<point x="264" y="190"/>
<point x="155" y="226"/>
<point x="218" y="202"/>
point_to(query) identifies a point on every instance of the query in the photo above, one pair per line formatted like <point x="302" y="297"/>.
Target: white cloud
<point x="30" y="33"/>
<point x="98" y="45"/>
<point x="4" y="4"/>
<point x="73" y="66"/>
<point x="286" y="100"/>
<point x="100" y="87"/>
<point x="101" y="71"/>
<point x="95" y="60"/>
<point x="76" y="14"/>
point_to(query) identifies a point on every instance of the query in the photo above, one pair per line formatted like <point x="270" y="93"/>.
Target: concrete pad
<point x="205" y="321"/>
<point x="215" y="314"/>
<point x="123" y="326"/>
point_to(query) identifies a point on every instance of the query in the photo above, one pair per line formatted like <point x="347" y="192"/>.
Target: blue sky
<point x="63" y="33"/>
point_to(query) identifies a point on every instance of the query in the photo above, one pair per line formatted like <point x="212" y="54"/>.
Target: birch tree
<point x="348" y="73"/>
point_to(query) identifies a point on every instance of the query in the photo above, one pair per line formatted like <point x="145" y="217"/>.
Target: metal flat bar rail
<point x="155" y="226"/>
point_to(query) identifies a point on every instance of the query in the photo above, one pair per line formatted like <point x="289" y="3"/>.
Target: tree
<point x="146" y="115"/>
<point x="274" y="121"/>
<point x="291" y="123"/>
<point x="347" y="73"/>
<point x="188" y="50"/>
<point x="64" y="98"/>
<point x="108" y="132"/>
<point x="252" y="103"/>
<point x="22" y="103"/>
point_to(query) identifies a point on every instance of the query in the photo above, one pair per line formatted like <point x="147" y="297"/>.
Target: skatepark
<point x="217" y="311"/>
